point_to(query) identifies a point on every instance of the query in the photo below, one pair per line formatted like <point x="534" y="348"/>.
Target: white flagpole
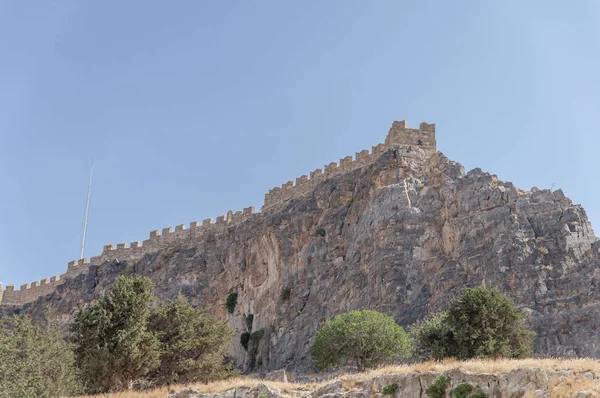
<point x="87" y="208"/>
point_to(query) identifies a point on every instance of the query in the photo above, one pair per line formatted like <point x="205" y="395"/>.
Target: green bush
<point x="487" y="324"/>
<point x="286" y="293"/>
<point x="433" y="336"/>
<point x="390" y="389"/>
<point x="466" y="390"/>
<point x="438" y="388"/>
<point x="256" y="336"/>
<point x="122" y="341"/>
<point x="249" y="321"/>
<point x="320" y="232"/>
<point x="231" y="302"/>
<point x="367" y="338"/>
<point x="35" y="361"/>
<point x="244" y="340"/>
<point x="480" y="323"/>
<point x="253" y="345"/>
<point x="193" y="344"/>
<point x="463" y="390"/>
<point x="113" y="346"/>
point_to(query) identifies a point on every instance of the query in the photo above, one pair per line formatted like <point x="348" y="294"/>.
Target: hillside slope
<point x="402" y="235"/>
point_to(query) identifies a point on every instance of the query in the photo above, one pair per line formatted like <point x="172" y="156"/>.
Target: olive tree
<point x="479" y="323"/>
<point x="367" y="338"/>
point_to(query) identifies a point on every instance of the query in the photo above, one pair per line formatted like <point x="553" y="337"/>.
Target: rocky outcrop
<point x="539" y="383"/>
<point x="402" y="235"/>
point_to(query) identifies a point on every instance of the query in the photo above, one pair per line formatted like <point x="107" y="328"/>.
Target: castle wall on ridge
<point x="398" y="135"/>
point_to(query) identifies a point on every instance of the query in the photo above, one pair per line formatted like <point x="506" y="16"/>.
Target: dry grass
<point x="214" y="387"/>
<point x="565" y="388"/>
<point x="493" y="366"/>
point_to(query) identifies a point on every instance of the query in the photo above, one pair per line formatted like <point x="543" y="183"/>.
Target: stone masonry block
<point x="108" y="248"/>
<point x="237" y="216"/>
<point x="167" y="230"/>
<point x="135" y="244"/>
<point x="180" y="227"/>
<point x="330" y="168"/>
<point x="121" y="246"/>
<point x="362" y="154"/>
<point x="402" y="124"/>
<point x="194" y="224"/>
<point x="345" y="162"/>
<point x="301" y="180"/>
<point x="155" y="233"/>
<point x="427" y="127"/>
<point x="316" y="173"/>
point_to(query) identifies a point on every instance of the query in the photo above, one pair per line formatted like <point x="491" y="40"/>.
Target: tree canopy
<point x="35" y="361"/>
<point x="480" y="323"/>
<point x="113" y="345"/>
<point x="193" y="344"/>
<point x="366" y="337"/>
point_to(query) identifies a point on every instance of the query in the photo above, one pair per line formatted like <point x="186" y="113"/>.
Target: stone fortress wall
<point x="398" y="135"/>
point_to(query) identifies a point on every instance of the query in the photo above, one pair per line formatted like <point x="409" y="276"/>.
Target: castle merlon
<point x="398" y="135"/>
<point x="123" y="251"/>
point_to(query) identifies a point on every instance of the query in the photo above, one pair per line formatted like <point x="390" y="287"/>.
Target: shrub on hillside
<point x="193" y="344"/>
<point x="113" y="345"/>
<point x="480" y="323"/>
<point x="231" y="302"/>
<point x="35" y="361"/>
<point x="285" y="293"/>
<point x="438" y="388"/>
<point x="433" y="337"/>
<point x="367" y="338"/>
<point x="122" y="340"/>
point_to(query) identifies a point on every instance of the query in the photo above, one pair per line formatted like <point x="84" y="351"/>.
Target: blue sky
<point x="193" y="108"/>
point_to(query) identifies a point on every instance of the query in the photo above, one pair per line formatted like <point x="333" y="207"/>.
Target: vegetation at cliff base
<point x="192" y="344"/>
<point x="480" y="323"/>
<point x="113" y="345"/>
<point x="35" y="361"/>
<point x="438" y="388"/>
<point x="366" y="338"/>
<point x="390" y="389"/>
<point x="123" y="341"/>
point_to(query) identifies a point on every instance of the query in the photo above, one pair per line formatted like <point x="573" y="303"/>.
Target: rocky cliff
<point x="401" y="234"/>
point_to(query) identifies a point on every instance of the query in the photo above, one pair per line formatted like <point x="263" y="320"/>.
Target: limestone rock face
<point x="402" y="235"/>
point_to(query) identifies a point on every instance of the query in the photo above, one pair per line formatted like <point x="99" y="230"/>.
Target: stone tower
<point x="400" y="134"/>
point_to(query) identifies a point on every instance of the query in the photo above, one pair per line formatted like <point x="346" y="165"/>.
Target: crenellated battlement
<point x="399" y="135"/>
<point x="29" y="291"/>
<point x="124" y="251"/>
